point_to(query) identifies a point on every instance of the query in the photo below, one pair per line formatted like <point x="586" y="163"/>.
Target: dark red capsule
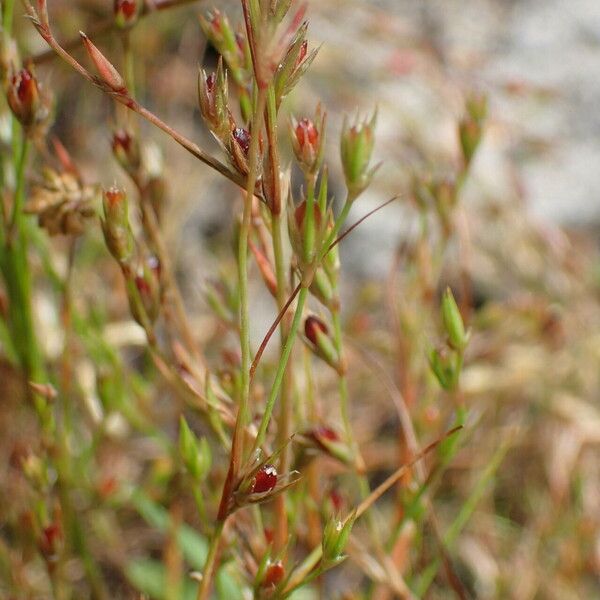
<point x="265" y="480"/>
<point x="242" y="137"/>
<point x="127" y="8"/>
<point x="312" y="326"/>
<point x="274" y="575"/>
<point x="306" y="133"/>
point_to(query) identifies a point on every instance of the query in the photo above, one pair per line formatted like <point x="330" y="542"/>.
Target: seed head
<point x="24" y="97"/>
<point x="274" y="575"/>
<point x="126" y="150"/>
<point x="126" y="12"/>
<point x="307" y="141"/>
<point x="108" y="74"/>
<point x="264" y="480"/>
<point x="313" y="326"/>
<point x="357" y="145"/>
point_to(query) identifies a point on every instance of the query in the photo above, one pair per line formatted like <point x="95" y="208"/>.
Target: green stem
<point x="243" y="412"/>
<point x="309" y="220"/>
<point x="281" y="368"/>
<point x="8" y="7"/>
<point x="342" y="380"/>
<point x="284" y="429"/>
<point x="209" y="565"/>
<point x="128" y="63"/>
<point x="17" y="276"/>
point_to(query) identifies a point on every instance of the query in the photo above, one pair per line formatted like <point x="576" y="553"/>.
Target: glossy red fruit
<point x="126" y="9"/>
<point x="306" y="133"/>
<point x="312" y="326"/>
<point x="265" y="480"/>
<point x="242" y="137"/>
<point x="301" y="53"/>
<point x="274" y="575"/>
<point x="24" y="96"/>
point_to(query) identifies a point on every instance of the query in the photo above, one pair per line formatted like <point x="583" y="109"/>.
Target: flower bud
<point x="300" y="234"/>
<point x="335" y="538"/>
<point x="213" y="99"/>
<point x="108" y="74"/>
<point x="357" y="144"/>
<point x="323" y="289"/>
<point x="317" y="336"/>
<point x="23" y="97"/>
<point x="453" y="323"/>
<point x="313" y="326"/>
<point x="126" y="150"/>
<point x="50" y="543"/>
<point x="470" y="128"/>
<point x="220" y="34"/>
<point x="115" y="225"/>
<point x="307" y="141"/>
<point x="445" y="364"/>
<point x="239" y="145"/>
<point x="294" y="64"/>
<point x="328" y="441"/>
<point x="148" y="293"/>
<point x="126" y="12"/>
<point x="196" y="456"/>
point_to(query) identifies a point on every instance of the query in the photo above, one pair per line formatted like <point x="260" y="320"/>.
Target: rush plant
<point x="253" y="431"/>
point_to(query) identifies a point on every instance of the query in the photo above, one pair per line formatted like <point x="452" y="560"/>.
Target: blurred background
<point x="530" y="218"/>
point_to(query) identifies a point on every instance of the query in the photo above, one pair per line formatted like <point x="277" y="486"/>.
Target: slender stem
<point x="18" y="282"/>
<point x="105" y="26"/>
<point x="209" y="565"/>
<point x="128" y="62"/>
<point x="309" y="220"/>
<point x="285" y="415"/>
<point x="8" y="7"/>
<point x="243" y="411"/>
<point x="16" y="219"/>
<point x="284" y="429"/>
<point x="281" y="367"/>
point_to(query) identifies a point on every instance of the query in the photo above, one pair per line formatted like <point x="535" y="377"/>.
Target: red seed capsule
<point x="265" y="480"/>
<point x="336" y="500"/>
<point x="210" y="82"/>
<point x="127" y="8"/>
<point x="312" y="326"/>
<point x="24" y="96"/>
<point x="242" y="137"/>
<point x="301" y="54"/>
<point x="306" y="134"/>
<point x="274" y="575"/>
<point x="326" y="433"/>
<point x="300" y="212"/>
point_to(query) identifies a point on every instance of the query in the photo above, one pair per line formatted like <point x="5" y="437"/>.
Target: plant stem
<point x="281" y="368"/>
<point x="209" y="565"/>
<point x="285" y="415"/>
<point x="243" y="411"/>
<point x="18" y="283"/>
<point x="8" y="9"/>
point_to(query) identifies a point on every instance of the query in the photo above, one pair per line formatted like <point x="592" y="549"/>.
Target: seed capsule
<point x="265" y="480"/>
<point x="312" y="326"/>
<point x="24" y="96"/>
<point x="274" y="575"/>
